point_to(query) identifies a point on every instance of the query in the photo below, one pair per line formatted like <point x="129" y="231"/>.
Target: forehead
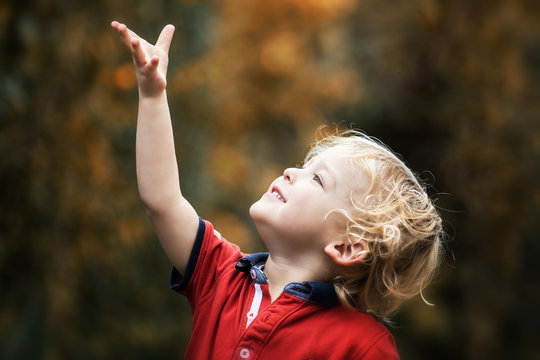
<point x="332" y="155"/>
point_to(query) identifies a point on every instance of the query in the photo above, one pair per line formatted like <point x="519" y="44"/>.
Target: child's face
<point x="296" y="205"/>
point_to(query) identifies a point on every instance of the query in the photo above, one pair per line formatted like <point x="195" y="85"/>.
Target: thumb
<point x="165" y="38"/>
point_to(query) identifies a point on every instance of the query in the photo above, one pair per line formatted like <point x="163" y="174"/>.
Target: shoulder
<point x="359" y="335"/>
<point x="358" y="319"/>
<point x="212" y="257"/>
<point x="215" y="249"/>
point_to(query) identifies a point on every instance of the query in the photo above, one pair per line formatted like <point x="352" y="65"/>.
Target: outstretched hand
<point x="150" y="61"/>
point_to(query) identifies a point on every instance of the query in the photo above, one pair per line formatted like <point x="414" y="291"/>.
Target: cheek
<point x="336" y="222"/>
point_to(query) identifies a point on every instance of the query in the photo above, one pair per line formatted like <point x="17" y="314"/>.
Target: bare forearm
<point x="157" y="169"/>
<point x="175" y="220"/>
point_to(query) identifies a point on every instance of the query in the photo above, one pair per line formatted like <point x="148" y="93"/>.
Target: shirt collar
<point x="321" y="293"/>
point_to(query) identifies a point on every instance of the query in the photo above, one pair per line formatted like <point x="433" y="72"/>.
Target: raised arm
<point x="174" y="219"/>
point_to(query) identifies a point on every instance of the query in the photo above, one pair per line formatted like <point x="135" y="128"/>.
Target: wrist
<point x="152" y="95"/>
<point x="151" y="85"/>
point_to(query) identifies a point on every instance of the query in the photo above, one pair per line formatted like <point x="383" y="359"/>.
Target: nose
<point x="289" y="174"/>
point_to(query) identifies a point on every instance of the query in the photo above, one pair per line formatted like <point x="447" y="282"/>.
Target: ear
<point x="346" y="254"/>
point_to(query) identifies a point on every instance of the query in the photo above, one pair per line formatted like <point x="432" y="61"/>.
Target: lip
<point x="276" y="193"/>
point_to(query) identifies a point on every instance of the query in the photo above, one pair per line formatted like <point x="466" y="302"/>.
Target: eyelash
<point x="317" y="179"/>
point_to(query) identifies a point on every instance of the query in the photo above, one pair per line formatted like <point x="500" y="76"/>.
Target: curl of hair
<point x="396" y="222"/>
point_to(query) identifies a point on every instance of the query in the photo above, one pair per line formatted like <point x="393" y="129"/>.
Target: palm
<point x="148" y="74"/>
<point x="150" y="61"/>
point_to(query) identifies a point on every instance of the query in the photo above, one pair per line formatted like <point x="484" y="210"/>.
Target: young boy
<point x="350" y="235"/>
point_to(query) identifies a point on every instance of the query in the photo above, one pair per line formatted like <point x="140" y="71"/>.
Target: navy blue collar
<point x="321" y="293"/>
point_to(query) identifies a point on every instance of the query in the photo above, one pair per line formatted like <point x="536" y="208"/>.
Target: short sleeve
<point x="212" y="257"/>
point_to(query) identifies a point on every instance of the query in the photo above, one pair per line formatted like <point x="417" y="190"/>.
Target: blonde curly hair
<point x="396" y="222"/>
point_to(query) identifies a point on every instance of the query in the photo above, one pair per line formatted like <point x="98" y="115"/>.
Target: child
<point x="350" y="235"/>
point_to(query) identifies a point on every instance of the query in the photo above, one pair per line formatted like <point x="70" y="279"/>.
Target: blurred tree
<point x="72" y="231"/>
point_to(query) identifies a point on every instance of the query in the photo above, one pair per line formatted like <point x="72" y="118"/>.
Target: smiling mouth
<point x="275" y="192"/>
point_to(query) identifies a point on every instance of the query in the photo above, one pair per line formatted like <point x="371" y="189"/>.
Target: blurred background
<point x="452" y="86"/>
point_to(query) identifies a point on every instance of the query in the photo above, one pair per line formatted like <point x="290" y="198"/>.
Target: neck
<point x="281" y="271"/>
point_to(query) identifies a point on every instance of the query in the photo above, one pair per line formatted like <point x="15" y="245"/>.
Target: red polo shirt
<point x="234" y="318"/>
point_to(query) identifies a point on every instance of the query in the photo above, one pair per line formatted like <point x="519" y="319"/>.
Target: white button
<point x="253" y="274"/>
<point x="244" y="353"/>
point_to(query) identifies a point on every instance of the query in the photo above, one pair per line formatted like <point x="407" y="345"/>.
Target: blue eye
<point x="318" y="179"/>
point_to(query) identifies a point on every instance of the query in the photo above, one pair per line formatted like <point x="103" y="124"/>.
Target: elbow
<point x="157" y="206"/>
<point x="153" y="207"/>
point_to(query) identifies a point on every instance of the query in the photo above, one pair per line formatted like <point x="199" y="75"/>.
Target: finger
<point x="165" y="38"/>
<point x="138" y="54"/>
<point x="154" y="62"/>
<point x="132" y="33"/>
<point x="122" y="31"/>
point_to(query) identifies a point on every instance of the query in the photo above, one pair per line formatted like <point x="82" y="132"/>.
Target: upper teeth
<point x="276" y="194"/>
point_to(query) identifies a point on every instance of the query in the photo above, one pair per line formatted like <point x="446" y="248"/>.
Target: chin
<point x="259" y="214"/>
<point x="255" y="211"/>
